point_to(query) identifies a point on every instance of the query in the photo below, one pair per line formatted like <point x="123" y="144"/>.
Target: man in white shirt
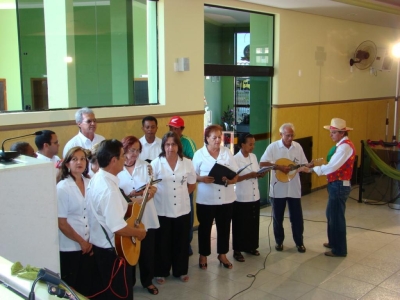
<point x="47" y="144"/>
<point x="86" y="137"/>
<point x="151" y="145"/>
<point x="107" y="208"/>
<point x="286" y="192"/>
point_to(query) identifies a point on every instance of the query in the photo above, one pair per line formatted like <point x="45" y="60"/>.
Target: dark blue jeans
<point x="335" y="213"/>
<point x="295" y="215"/>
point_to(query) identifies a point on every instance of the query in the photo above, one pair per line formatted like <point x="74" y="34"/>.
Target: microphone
<point x="9" y="155"/>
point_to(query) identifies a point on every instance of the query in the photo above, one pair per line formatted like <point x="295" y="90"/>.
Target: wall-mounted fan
<point x="364" y="55"/>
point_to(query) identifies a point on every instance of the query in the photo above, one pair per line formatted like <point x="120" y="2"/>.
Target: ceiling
<point x="375" y="12"/>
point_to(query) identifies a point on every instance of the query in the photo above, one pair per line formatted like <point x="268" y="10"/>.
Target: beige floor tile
<point x="320" y="294"/>
<point x="366" y="274"/>
<point x="346" y="286"/>
<point x="379" y="293"/>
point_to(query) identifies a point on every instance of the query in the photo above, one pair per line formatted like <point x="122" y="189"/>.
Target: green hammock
<point x="384" y="167"/>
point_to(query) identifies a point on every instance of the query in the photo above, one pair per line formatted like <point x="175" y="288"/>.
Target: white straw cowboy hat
<point x="338" y="124"/>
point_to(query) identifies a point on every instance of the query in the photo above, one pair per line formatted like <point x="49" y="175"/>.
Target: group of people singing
<point x="97" y="187"/>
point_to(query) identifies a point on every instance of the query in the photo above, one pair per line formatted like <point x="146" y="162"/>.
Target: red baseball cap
<point x="176" y="121"/>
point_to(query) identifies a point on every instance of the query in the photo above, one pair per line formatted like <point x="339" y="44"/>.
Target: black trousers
<point x="206" y="215"/>
<point x="78" y="271"/>
<point x="108" y="264"/>
<point x="172" y="239"/>
<point x="245" y="225"/>
<point x="146" y="259"/>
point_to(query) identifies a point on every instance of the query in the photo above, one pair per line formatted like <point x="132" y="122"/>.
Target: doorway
<point x="40" y="99"/>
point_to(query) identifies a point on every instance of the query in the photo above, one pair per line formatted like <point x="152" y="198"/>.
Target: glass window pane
<point x="87" y="53"/>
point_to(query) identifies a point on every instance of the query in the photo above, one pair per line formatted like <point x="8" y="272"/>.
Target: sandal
<point x="160" y="280"/>
<point x="227" y="264"/>
<point x="238" y="256"/>
<point x="253" y="252"/>
<point x="203" y="265"/>
<point x="152" y="289"/>
<point x="184" y="278"/>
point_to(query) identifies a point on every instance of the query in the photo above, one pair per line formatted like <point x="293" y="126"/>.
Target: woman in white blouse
<point x="246" y="208"/>
<point x="214" y="201"/>
<point x="135" y="174"/>
<point x="75" y="250"/>
<point x="173" y="209"/>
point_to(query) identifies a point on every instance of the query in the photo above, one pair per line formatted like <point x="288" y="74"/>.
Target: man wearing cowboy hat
<point x="338" y="171"/>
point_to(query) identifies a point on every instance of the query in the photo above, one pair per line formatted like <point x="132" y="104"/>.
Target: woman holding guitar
<point x="246" y="208"/>
<point x="173" y="209"/>
<point x="75" y="250"/>
<point x="134" y="175"/>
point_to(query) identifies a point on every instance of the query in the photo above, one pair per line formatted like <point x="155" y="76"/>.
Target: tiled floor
<point x="370" y="271"/>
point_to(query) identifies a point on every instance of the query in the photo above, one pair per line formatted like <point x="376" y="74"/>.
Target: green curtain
<point x="384" y="167"/>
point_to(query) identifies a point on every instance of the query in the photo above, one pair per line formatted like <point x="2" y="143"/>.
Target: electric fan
<point x="364" y="55"/>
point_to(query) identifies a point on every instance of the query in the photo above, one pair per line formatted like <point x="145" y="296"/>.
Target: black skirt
<point x="245" y="225"/>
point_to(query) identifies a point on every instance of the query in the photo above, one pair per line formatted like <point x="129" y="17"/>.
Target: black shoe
<point x="301" y="248"/>
<point x="190" y="251"/>
<point x="279" y="247"/>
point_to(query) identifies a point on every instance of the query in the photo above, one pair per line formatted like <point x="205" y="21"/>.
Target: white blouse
<point x="139" y="177"/>
<point x="247" y="190"/>
<point x="72" y="206"/>
<point x="210" y="193"/>
<point x="172" y="197"/>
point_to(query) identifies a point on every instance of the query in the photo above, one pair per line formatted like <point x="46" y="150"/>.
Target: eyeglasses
<point x="133" y="150"/>
<point x="89" y="121"/>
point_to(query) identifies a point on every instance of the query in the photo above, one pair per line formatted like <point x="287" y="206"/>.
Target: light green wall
<point x="9" y="58"/>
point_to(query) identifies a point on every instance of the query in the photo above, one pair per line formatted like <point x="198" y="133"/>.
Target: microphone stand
<point x="9" y="155"/>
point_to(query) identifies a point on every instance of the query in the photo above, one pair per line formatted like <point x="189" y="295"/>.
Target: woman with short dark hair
<point x="173" y="209"/>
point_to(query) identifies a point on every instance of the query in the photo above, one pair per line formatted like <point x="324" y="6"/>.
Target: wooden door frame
<point x="5" y="92"/>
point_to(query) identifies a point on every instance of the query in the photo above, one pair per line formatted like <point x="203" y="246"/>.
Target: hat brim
<point x="328" y="127"/>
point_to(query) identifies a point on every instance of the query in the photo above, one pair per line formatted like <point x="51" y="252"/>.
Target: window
<point x="87" y="53"/>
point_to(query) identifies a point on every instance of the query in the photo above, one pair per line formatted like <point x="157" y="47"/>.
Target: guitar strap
<point x="127" y="199"/>
<point x="105" y="232"/>
<point x="108" y="238"/>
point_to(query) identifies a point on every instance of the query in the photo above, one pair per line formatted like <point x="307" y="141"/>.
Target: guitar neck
<point x="144" y="202"/>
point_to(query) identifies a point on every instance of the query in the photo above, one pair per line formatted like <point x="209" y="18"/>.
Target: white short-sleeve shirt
<point x="139" y="177"/>
<point x="82" y="141"/>
<point x="55" y="159"/>
<point x="247" y="190"/>
<point x="106" y="206"/>
<point x="150" y="151"/>
<point x="72" y="206"/>
<point x="210" y="193"/>
<point x="172" y="197"/>
<point x="295" y="153"/>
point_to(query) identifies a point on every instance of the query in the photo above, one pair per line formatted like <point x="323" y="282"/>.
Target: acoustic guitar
<point x="127" y="246"/>
<point x="282" y="177"/>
